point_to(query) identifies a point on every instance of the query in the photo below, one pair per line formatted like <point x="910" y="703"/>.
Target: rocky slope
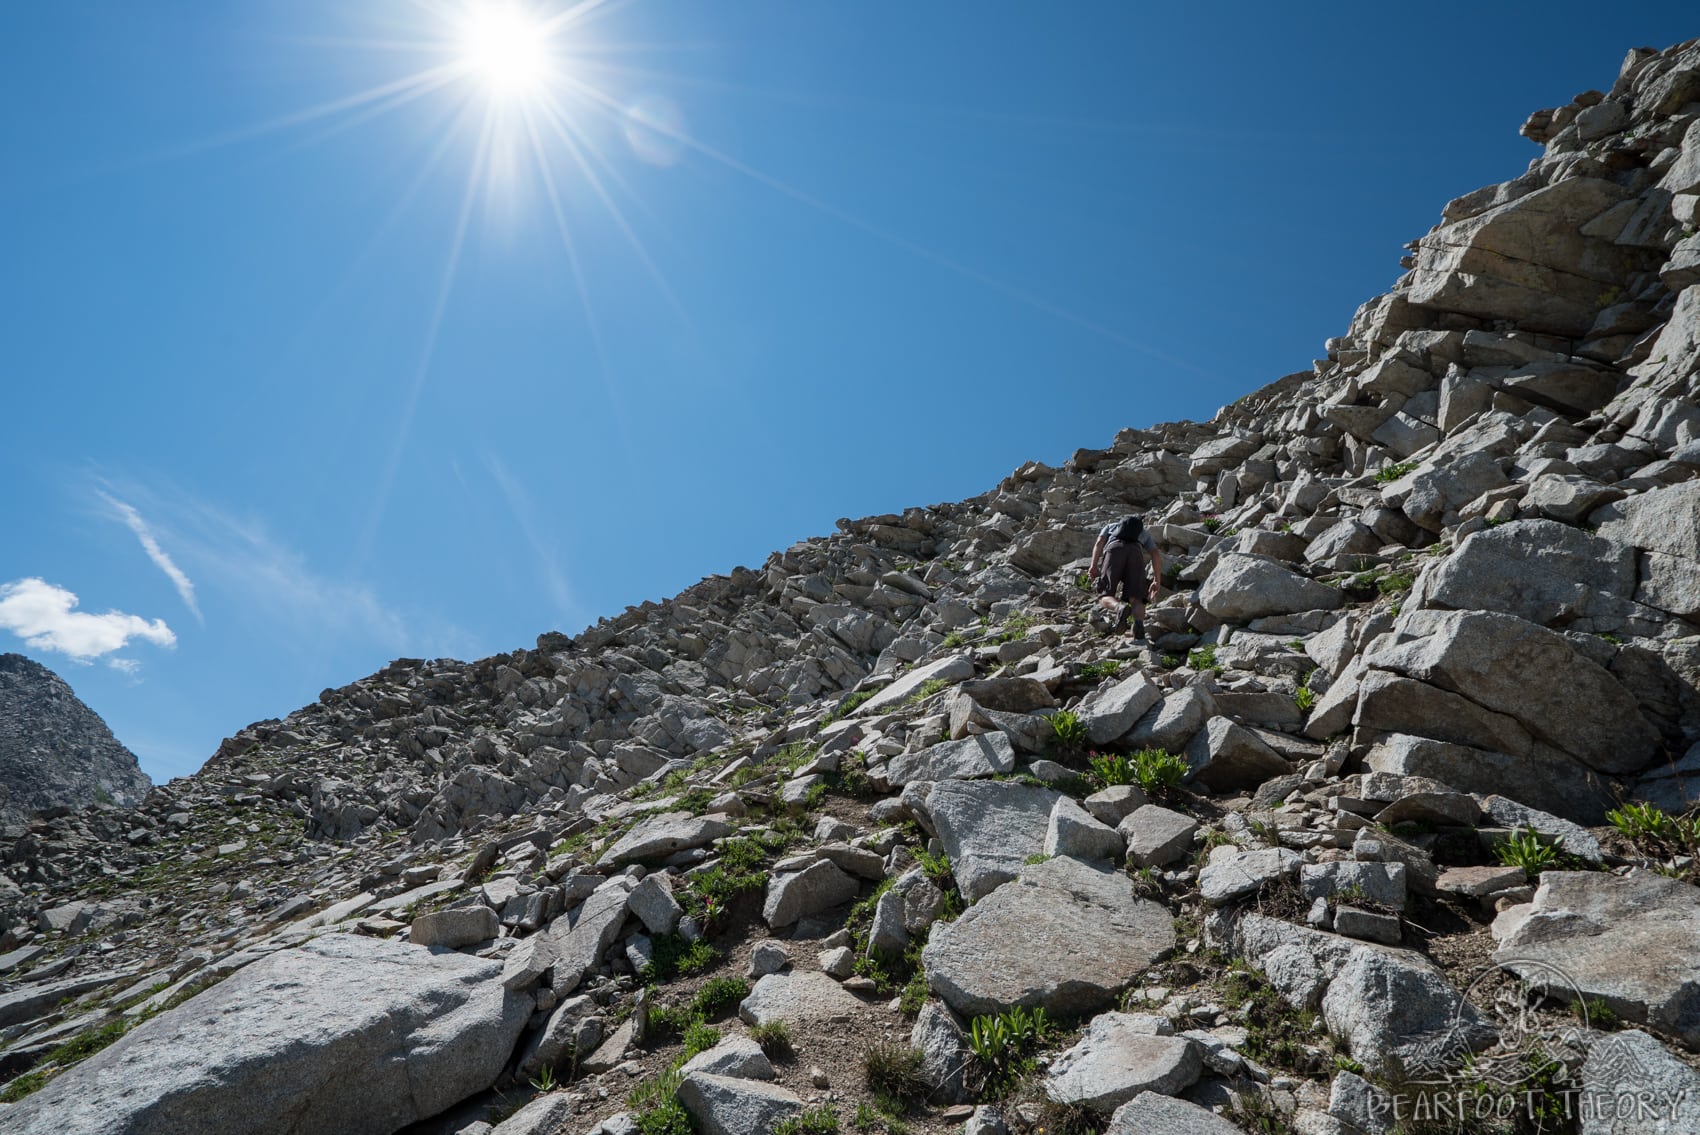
<point x="1344" y="846"/>
<point x="56" y="752"/>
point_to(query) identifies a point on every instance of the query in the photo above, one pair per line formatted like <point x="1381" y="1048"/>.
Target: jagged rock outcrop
<point x="56" y="752"/>
<point x="1428" y="616"/>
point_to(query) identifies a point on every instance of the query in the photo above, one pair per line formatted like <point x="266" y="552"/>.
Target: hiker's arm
<point x="1097" y="554"/>
<point x="1156" y="572"/>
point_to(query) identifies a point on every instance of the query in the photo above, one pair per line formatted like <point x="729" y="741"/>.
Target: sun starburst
<point x="506" y="48"/>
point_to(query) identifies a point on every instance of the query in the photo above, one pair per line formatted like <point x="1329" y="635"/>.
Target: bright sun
<point x="505" y="48"/>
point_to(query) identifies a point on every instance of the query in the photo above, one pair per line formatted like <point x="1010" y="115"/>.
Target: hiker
<point x="1118" y="561"/>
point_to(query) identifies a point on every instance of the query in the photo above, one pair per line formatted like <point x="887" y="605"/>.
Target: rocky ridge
<point x="56" y="752"/>
<point x="1433" y="616"/>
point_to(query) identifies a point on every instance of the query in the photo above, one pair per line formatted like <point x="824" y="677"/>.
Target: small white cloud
<point x="45" y="617"/>
<point x="179" y="579"/>
<point x="125" y="665"/>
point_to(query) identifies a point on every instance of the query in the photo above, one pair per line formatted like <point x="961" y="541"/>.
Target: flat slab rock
<point x="1066" y="935"/>
<point x="344" y="1033"/>
<point x="1118" y="1058"/>
<point x="797" y="999"/>
<point x="982" y="755"/>
<point x="660" y="836"/>
<point x="1151" y="1113"/>
<point x="1632" y="941"/>
<point x="989" y="829"/>
<point x="722" y="1105"/>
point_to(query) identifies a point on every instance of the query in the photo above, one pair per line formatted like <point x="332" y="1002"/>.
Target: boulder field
<point x="1388" y="804"/>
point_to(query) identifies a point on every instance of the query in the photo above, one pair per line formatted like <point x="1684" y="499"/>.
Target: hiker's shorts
<point x="1124" y="568"/>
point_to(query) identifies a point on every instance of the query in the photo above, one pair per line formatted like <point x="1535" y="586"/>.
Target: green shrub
<point x="24" y="1085"/>
<point x="1110" y="769"/>
<point x="1003" y="1046"/>
<point x="1646" y="825"/>
<point x="1524" y="849"/>
<point x="1204" y="658"/>
<point x="1156" y="771"/>
<point x="1305" y="698"/>
<point x="655" y="1105"/>
<point x="84" y="1045"/>
<point x="673" y="956"/>
<point x="928" y="688"/>
<point x="1105" y="668"/>
<point x="1068" y="732"/>
<point x="1016" y="627"/>
<point x="852" y="779"/>
<point x="719" y="996"/>
<point x="700" y="1037"/>
<point x="937" y="867"/>
<point x="1393" y="472"/>
<point x="849" y="704"/>
<point x="793" y="756"/>
<point x="1395" y="582"/>
<point x="707" y="893"/>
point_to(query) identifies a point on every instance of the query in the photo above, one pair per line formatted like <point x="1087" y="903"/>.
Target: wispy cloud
<point x="46" y="618"/>
<point x="150" y="544"/>
<point x="271" y="586"/>
<point x="127" y="666"/>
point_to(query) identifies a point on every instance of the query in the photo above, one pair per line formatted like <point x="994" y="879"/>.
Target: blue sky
<point x="299" y="379"/>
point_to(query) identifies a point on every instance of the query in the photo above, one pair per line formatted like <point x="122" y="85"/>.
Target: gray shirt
<point x="1108" y="533"/>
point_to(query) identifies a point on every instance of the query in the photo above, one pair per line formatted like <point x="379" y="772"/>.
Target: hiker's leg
<point x="1136" y="587"/>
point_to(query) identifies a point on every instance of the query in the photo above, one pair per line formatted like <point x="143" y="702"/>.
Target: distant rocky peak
<point x="54" y="750"/>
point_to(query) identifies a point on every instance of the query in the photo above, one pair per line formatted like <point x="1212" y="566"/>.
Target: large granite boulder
<point x="1514" y="667"/>
<point x="1631" y="941"/>
<point x="1243" y="588"/>
<point x="989" y="829"/>
<point x="799" y="998"/>
<point x="1665" y="525"/>
<point x="1529" y="260"/>
<point x="819" y="886"/>
<point x="1398" y="1016"/>
<point x="344" y="1033"/>
<point x="1110" y="712"/>
<point x="952" y="668"/>
<point x="1152" y="1113"/>
<point x="1121" y="1055"/>
<point x="1098" y="938"/>
<point x="982" y="755"/>
<point x="574" y="944"/>
<point x="725" y="1105"/>
<point x="1539" y="570"/>
<point x="1542" y="777"/>
<point x="658" y="837"/>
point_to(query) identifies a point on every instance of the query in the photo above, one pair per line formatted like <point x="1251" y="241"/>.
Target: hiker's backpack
<point x="1128" y="530"/>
